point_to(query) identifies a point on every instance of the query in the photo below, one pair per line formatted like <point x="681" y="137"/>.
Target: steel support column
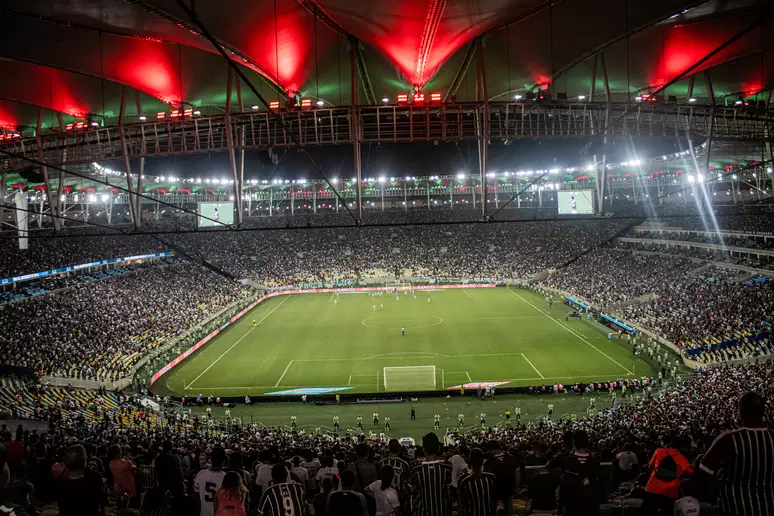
<point x="711" y="124"/>
<point x="2" y="199"/>
<point x="355" y="135"/>
<point x="60" y="195"/>
<point x="602" y="175"/>
<point x="237" y="180"/>
<point x="137" y="198"/>
<point x="769" y="156"/>
<point x="242" y="132"/>
<point x="49" y="193"/>
<point x="127" y="161"/>
<point x="483" y="142"/>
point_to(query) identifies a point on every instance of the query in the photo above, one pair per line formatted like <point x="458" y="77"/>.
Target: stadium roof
<point x="77" y="58"/>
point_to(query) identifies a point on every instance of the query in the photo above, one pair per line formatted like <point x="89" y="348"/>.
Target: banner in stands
<point x="190" y="351"/>
<point x="71" y="268"/>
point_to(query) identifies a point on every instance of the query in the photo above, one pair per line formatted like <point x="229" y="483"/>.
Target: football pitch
<point x="340" y="343"/>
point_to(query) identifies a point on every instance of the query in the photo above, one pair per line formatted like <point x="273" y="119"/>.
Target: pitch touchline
<point x="234" y="344"/>
<point x="583" y="339"/>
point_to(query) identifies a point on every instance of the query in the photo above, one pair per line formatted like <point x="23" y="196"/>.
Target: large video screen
<point x="222" y="212"/>
<point x="576" y="203"/>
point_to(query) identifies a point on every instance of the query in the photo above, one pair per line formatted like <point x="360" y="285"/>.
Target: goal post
<point x="409" y="378"/>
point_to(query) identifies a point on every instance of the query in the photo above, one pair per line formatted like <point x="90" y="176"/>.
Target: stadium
<point x="419" y="258"/>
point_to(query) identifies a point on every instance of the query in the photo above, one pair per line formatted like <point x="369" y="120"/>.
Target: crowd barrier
<point x="193" y="349"/>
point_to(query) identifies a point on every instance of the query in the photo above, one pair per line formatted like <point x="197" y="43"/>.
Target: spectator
<point x="320" y="501"/>
<point x="542" y="488"/>
<point x="459" y="462"/>
<point x="347" y="501"/>
<point x="208" y="481"/>
<point x="123" y="470"/>
<point x="327" y="470"/>
<point x="746" y="458"/>
<point x="168" y="471"/>
<point x="283" y="496"/>
<point x="301" y="474"/>
<point x="14" y="452"/>
<point x="430" y="481"/>
<point x="478" y="489"/>
<point x="386" y="497"/>
<point x="504" y="467"/>
<point x="667" y="468"/>
<point x="79" y="491"/>
<point x="627" y="462"/>
<point x="579" y="490"/>
<point x="231" y="499"/>
<point x="365" y="473"/>
<point x="400" y="468"/>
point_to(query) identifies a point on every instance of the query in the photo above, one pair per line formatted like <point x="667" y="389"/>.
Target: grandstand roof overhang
<point x="81" y="58"/>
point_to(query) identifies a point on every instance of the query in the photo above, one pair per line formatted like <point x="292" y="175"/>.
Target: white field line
<point x="467" y="373"/>
<point x="466" y="293"/>
<point x="577" y="377"/>
<point x="284" y="373"/>
<point x="533" y="365"/>
<point x="350" y="380"/>
<point x="579" y="336"/>
<point x="235" y="343"/>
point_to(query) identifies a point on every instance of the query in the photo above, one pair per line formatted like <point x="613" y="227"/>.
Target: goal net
<point x="409" y="378"/>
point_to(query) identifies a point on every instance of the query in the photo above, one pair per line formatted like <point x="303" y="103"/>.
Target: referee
<point x="477" y="488"/>
<point x="430" y="481"/>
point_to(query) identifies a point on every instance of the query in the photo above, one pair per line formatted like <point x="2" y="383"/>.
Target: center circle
<point x="409" y="324"/>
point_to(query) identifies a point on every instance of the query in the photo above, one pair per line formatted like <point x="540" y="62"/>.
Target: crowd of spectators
<point x="701" y="309"/>
<point x="100" y="329"/>
<point x="73" y="246"/>
<point x="497" y="250"/>
<point x="113" y="451"/>
<point x="609" y="277"/>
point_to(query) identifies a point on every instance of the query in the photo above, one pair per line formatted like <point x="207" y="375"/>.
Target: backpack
<point x="666" y="471"/>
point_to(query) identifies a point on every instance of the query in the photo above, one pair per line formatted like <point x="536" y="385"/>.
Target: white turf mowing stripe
<point x="235" y="343"/>
<point x="533" y="365"/>
<point x="284" y="373"/>
<point x="578" y="335"/>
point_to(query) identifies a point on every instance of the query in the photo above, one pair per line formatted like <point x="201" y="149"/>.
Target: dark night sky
<point x="414" y="159"/>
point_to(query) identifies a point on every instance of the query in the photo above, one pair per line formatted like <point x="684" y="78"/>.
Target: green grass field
<point x="469" y="336"/>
